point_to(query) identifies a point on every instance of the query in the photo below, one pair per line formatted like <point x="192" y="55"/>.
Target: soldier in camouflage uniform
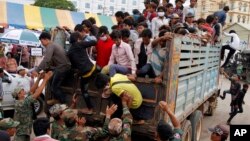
<point x="23" y="108"/>
<point x="9" y="125"/>
<point x="58" y="123"/>
<point x="117" y="129"/>
<point x="71" y="133"/>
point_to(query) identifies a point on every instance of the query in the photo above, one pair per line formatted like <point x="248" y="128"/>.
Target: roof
<point x="33" y="17"/>
<point x="246" y="26"/>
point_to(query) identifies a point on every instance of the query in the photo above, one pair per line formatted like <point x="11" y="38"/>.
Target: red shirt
<point x="209" y="28"/>
<point x="103" y="49"/>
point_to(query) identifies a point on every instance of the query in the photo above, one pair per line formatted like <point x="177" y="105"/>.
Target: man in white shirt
<point x="232" y="46"/>
<point x="190" y="9"/>
<point x="159" y="21"/>
<point x="22" y="79"/>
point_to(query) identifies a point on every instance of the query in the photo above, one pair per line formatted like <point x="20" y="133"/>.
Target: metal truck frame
<point x="190" y="86"/>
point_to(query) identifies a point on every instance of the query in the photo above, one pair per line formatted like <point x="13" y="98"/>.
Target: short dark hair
<point x="128" y="22"/>
<point x="114" y="27"/>
<point x="245" y="86"/>
<point x="101" y="80"/>
<point x="92" y="20"/>
<point x="201" y="20"/>
<point x="169" y="5"/>
<point x="226" y="8"/>
<point x="116" y="34"/>
<point x="146" y="33"/>
<point x="125" y="33"/>
<point x="161" y="8"/>
<point x="164" y="130"/>
<point x="74" y="37"/>
<point x="45" y="35"/>
<point x="126" y="14"/>
<point x="210" y="19"/>
<point x="232" y="31"/>
<point x="40" y="126"/>
<point x="1" y="70"/>
<point x="78" y="28"/>
<point x="103" y="30"/>
<point x="136" y="11"/>
<point x="144" y="24"/>
<point x="11" y="54"/>
<point x="87" y="23"/>
<point x="120" y="14"/>
<point x="162" y="33"/>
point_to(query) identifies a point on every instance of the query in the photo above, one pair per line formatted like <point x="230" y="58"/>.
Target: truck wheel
<point x="187" y="129"/>
<point x="196" y="122"/>
<point x="211" y="108"/>
<point x="38" y="105"/>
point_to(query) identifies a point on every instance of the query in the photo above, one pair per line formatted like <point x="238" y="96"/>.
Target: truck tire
<point x="38" y="105"/>
<point x="196" y="121"/>
<point x="211" y="108"/>
<point x="187" y="131"/>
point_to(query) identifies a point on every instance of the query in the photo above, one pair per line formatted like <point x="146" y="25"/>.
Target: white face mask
<point x="104" y="38"/>
<point x="161" y="14"/>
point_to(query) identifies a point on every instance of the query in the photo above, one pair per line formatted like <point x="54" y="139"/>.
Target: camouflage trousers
<point x="22" y="138"/>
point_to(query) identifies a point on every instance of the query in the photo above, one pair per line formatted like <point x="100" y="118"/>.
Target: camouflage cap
<point x="69" y="114"/>
<point x="7" y="123"/>
<point x="57" y="109"/>
<point x="17" y="90"/>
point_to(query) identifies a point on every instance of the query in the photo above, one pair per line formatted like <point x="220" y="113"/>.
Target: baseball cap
<point x="57" y="109"/>
<point x="7" y="123"/>
<point x="220" y="129"/>
<point x="69" y="114"/>
<point x="189" y="15"/>
<point x="20" y="68"/>
<point x="17" y="90"/>
<point x="164" y="130"/>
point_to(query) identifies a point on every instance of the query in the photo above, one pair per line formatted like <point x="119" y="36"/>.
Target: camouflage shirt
<point x="23" y="114"/>
<point x="56" y="129"/>
<point x="72" y="134"/>
<point x="125" y="135"/>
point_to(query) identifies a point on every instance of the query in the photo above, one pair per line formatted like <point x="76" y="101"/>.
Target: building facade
<point x="239" y="9"/>
<point x="21" y="1"/>
<point x="107" y="7"/>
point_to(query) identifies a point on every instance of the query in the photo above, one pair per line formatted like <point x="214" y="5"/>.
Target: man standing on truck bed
<point x="55" y="58"/>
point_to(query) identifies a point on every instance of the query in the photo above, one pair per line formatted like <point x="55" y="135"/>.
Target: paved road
<point x="221" y="115"/>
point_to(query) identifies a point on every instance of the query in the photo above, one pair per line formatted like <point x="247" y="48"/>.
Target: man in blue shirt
<point x="222" y="15"/>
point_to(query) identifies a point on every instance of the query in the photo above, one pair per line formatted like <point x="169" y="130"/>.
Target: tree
<point x="57" y="4"/>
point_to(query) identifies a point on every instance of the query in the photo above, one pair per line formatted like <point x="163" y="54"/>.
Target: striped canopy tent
<point x="33" y="17"/>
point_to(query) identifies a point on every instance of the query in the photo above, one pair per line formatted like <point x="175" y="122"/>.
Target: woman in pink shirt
<point x="11" y="64"/>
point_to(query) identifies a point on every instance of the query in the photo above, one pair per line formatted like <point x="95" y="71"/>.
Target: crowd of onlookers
<point x="136" y="47"/>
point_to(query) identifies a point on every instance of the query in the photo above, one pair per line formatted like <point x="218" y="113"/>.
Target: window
<point x="87" y="5"/>
<point x="99" y="6"/>
<point x="111" y="8"/>
<point x="123" y="1"/>
<point x="112" y="1"/>
<point x="240" y="4"/>
<point x="245" y="7"/>
<point x="244" y="19"/>
<point x="134" y="2"/>
<point x="123" y="9"/>
<point x="230" y="18"/>
<point x="232" y="5"/>
<point x="238" y="18"/>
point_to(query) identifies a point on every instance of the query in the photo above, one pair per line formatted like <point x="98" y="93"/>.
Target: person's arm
<point x="87" y="44"/>
<point x="39" y="90"/>
<point x="112" y="57"/>
<point x="46" y="60"/>
<point x="164" y="106"/>
<point x="34" y="87"/>
<point x="104" y="132"/>
<point x="154" y="27"/>
<point x="156" y="41"/>
<point x="228" y="34"/>
<point x="127" y="118"/>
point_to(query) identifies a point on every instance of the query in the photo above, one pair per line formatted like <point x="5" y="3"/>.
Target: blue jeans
<point x="146" y="70"/>
<point x="56" y="82"/>
<point x="114" y="68"/>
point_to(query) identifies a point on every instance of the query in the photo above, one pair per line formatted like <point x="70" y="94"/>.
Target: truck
<point x="189" y="86"/>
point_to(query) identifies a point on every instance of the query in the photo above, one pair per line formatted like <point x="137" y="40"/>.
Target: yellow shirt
<point x="118" y="89"/>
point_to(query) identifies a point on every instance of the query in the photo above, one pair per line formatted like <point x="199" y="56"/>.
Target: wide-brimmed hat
<point x="175" y="16"/>
<point x="7" y="123"/>
<point x="220" y="129"/>
<point x="17" y="90"/>
<point x="57" y="109"/>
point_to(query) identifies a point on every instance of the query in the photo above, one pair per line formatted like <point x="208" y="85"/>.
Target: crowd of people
<point x="136" y="47"/>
